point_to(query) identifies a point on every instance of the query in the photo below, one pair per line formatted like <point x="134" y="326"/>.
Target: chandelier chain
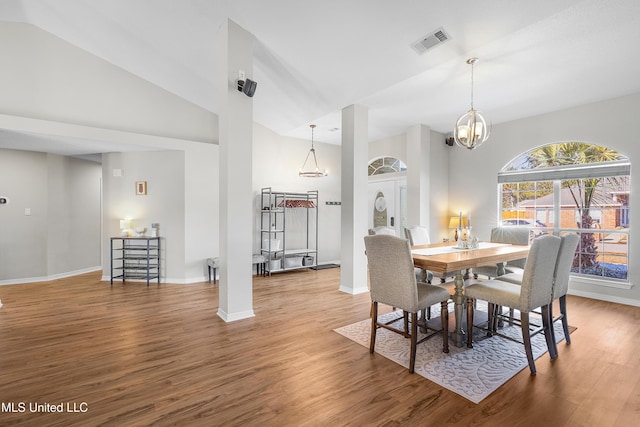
<point x="471" y="129"/>
<point x="472" y="64"/>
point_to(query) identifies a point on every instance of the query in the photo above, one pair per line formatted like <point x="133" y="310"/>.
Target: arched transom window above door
<point x="383" y="165"/>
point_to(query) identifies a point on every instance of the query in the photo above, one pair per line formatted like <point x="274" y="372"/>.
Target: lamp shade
<point x="454" y="222"/>
<point x="125" y="224"/>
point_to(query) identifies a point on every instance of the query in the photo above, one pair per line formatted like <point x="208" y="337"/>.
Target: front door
<point x="385" y="204"/>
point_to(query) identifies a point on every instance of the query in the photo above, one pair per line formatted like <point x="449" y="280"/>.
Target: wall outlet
<point x="27" y="211"/>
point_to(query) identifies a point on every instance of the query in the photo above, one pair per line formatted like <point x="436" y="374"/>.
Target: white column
<point x="235" y="122"/>
<point x="353" y="268"/>
<point x="418" y="192"/>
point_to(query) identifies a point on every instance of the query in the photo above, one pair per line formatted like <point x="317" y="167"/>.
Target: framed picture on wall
<point x="141" y="188"/>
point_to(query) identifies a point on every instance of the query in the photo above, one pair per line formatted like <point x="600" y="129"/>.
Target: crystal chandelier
<point x="471" y="129"/>
<point x="312" y="173"/>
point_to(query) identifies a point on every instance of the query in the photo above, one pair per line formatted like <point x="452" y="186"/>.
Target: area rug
<point x="472" y="373"/>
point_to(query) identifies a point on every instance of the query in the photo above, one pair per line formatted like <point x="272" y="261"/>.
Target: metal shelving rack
<point x="274" y="207"/>
<point x="135" y="258"/>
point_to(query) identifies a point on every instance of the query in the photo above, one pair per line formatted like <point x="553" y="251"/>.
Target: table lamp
<point x="125" y="225"/>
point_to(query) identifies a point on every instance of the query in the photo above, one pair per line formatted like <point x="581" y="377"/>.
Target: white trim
<point x="236" y="316"/>
<point x="353" y="291"/>
<point x="582" y="280"/>
<point x="608" y="298"/>
<point x="390" y="176"/>
<point x="586" y="170"/>
<point x="49" y="278"/>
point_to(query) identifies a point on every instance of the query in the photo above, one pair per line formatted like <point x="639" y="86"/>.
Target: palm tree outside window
<point x="573" y="187"/>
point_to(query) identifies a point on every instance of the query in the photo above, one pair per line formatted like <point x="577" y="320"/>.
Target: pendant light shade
<point x="313" y="171"/>
<point x="471" y="128"/>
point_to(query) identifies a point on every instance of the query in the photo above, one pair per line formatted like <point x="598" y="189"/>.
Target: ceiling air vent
<point x="425" y="43"/>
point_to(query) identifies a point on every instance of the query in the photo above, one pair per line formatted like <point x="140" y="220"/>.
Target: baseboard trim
<point x="50" y="277"/>
<point x="603" y="297"/>
<point x="235" y="316"/>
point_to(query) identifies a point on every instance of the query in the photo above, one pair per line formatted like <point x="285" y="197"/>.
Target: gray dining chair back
<point x="567" y="252"/>
<point x="391" y="276"/>
<point x="515" y="236"/>
<point x="511" y="235"/>
<point x="417" y="235"/>
<point x="534" y="291"/>
<point x="537" y="280"/>
<point x="560" y="287"/>
<point x="392" y="282"/>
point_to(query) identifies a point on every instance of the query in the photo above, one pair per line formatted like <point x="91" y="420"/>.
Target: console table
<point x="135" y="258"/>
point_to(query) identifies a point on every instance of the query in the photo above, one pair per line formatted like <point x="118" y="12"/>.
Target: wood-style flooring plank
<point x="160" y="355"/>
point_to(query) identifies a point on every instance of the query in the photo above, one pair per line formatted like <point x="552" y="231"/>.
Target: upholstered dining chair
<point x="393" y="282"/>
<point x="418" y="235"/>
<point x="516" y="236"/>
<point x="535" y="291"/>
<point x="562" y="271"/>
<point x="382" y="230"/>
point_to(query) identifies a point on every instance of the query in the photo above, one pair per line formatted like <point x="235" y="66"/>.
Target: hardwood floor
<point x="132" y="355"/>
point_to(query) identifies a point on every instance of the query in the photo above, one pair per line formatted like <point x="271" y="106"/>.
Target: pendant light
<point x="471" y="129"/>
<point x="312" y="173"/>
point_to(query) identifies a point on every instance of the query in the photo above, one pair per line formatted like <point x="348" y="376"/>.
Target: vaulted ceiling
<point x="313" y="58"/>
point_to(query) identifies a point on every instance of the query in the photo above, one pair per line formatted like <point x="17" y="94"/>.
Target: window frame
<point x="557" y="175"/>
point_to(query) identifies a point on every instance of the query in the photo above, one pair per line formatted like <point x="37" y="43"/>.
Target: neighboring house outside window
<point x="573" y="187"/>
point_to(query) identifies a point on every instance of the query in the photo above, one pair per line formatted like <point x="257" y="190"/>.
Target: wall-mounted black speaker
<point x="248" y="87"/>
<point x="449" y="141"/>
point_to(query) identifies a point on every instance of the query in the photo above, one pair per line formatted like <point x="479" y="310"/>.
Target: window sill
<point x="600" y="282"/>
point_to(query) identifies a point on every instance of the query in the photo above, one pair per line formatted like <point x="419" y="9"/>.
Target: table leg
<point x="458" y="334"/>
<point x="500" y="268"/>
<point x="500" y="271"/>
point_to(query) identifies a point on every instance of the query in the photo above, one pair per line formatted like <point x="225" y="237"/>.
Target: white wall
<point x="395" y="146"/>
<point x="50" y="79"/>
<point x="473" y="174"/>
<point x="51" y="87"/>
<point x="74" y="212"/>
<point x="164" y="172"/>
<point x="276" y="161"/>
<point x="438" y="170"/>
<point x="201" y="198"/>
<point x="439" y="188"/>
<point x="61" y="235"/>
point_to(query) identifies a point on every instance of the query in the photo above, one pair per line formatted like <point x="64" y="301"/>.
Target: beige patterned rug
<point x="472" y="373"/>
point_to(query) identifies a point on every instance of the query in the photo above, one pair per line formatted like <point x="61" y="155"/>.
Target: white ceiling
<point x="313" y="58"/>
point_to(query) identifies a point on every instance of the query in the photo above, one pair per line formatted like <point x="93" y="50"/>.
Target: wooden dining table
<point x="446" y="258"/>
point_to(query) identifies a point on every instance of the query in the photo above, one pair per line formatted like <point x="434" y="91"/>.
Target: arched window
<point x="573" y="187"/>
<point x="386" y="165"/>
